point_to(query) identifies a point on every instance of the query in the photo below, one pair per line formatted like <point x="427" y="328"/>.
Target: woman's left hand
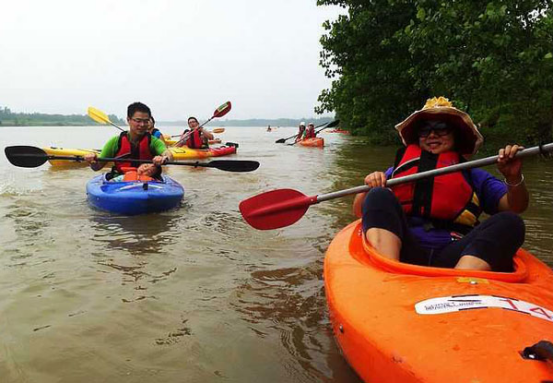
<point x="508" y="165"/>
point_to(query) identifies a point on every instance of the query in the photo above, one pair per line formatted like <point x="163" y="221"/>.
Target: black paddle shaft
<point x="32" y="157"/>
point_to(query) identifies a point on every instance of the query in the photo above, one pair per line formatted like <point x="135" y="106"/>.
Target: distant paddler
<point x="196" y="137"/>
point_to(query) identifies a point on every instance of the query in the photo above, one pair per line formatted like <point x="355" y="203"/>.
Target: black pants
<point x="495" y="240"/>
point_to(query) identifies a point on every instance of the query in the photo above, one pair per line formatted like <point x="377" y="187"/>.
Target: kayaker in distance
<point x="434" y="221"/>
<point x="310" y="131"/>
<point x="301" y="131"/>
<point x="195" y="137"/>
<point x="155" y="132"/>
<point x="137" y="143"/>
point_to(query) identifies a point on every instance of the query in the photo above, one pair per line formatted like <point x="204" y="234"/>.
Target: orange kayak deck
<point x="404" y="323"/>
<point x="317" y="142"/>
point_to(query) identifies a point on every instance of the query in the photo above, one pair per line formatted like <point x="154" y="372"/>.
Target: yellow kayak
<point x="54" y="151"/>
<point x="169" y="141"/>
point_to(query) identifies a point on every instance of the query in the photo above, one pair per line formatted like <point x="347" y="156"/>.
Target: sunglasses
<point x="440" y="129"/>
<point x="141" y="120"/>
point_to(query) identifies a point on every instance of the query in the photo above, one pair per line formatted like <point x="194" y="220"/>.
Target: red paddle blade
<point x="275" y="209"/>
<point x="222" y="110"/>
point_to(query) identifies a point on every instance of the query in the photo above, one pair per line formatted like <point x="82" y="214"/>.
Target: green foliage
<point x="493" y="59"/>
<point x="9" y="118"/>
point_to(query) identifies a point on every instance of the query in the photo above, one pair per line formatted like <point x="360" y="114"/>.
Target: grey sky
<point x="180" y="57"/>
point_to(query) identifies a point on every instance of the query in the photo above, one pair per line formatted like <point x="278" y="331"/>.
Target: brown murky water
<point x="190" y="295"/>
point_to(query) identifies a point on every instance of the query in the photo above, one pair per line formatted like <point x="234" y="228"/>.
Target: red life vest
<point x="194" y="140"/>
<point x="310" y="133"/>
<point x="140" y="152"/>
<point x="448" y="198"/>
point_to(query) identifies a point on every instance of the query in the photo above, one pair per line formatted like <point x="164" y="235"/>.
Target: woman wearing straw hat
<point x="434" y="221"/>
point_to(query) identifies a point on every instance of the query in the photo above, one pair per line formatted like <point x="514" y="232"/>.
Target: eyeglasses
<point x="440" y="129"/>
<point x="141" y="120"/>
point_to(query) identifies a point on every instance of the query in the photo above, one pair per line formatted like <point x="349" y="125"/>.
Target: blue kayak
<point x="134" y="197"/>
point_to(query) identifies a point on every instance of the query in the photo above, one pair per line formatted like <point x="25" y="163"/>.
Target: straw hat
<point x="468" y="138"/>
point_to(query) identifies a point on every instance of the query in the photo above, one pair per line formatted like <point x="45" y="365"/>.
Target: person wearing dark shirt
<point x="434" y="221"/>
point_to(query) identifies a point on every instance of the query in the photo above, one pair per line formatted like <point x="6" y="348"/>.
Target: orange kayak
<point x="314" y="142"/>
<point x="404" y="323"/>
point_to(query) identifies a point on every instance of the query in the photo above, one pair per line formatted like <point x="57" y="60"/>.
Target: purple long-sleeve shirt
<point x="489" y="191"/>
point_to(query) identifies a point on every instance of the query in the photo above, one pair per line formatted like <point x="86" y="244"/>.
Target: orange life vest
<point x="131" y="174"/>
<point x="140" y="152"/>
<point x="446" y="199"/>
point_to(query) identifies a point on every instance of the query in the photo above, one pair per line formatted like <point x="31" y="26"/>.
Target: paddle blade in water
<point x="275" y="209"/>
<point x="238" y="166"/>
<point x="222" y="110"/>
<point x="25" y="156"/>
<point x="98" y="116"/>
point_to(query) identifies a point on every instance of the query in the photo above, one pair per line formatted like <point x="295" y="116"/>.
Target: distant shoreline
<point x="226" y="123"/>
<point x="9" y="118"/>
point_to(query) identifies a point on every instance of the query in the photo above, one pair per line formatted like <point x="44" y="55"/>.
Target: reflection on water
<point x="139" y="235"/>
<point x="193" y="294"/>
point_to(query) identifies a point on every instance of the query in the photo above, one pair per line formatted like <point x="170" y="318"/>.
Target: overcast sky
<point x="181" y="57"/>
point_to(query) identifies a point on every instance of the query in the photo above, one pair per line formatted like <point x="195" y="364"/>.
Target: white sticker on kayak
<point x="456" y="303"/>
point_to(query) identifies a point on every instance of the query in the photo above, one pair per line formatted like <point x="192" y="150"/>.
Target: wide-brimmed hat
<point x="467" y="137"/>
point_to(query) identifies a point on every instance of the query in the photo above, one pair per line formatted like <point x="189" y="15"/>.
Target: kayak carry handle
<point x="543" y="350"/>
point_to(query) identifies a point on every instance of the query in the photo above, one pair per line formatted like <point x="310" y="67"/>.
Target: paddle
<point x="101" y="117"/>
<point x="219" y="112"/>
<point x="32" y="157"/>
<point x="328" y="125"/>
<point x="216" y="131"/>
<point x="283" y="207"/>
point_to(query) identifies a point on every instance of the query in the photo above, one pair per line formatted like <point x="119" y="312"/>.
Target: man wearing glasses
<point x="136" y="143"/>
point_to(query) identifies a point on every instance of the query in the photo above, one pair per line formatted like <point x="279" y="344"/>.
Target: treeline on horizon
<point x="493" y="59"/>
<point x="261" y="122"/>
<point x="9" y="118"/>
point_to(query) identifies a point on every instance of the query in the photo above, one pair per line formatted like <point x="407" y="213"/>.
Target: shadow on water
<point x="128" y="243"/>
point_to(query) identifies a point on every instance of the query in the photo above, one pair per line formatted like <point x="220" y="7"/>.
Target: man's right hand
<point x="91" y="158"/>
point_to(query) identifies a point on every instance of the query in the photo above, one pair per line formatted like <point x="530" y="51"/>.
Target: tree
<point x="493" y="59"/>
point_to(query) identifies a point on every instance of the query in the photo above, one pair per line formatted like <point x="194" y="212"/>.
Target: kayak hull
<point x="135" y="197"/>
<point x="54" y="151"/>
<point x="317" y="142"/>
<point x="185" y="153"/>
<point x="169" y="141"/>
<point x="403" y="323"/>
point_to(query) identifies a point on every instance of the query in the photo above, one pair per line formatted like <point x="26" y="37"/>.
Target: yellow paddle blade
<point x="218" y="130"/>
<point x="98" y="116"/>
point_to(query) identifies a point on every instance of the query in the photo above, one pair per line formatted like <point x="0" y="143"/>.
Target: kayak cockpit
<point x="365" y="253"/>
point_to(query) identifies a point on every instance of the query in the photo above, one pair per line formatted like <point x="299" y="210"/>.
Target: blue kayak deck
<point x="135" y="197"/>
